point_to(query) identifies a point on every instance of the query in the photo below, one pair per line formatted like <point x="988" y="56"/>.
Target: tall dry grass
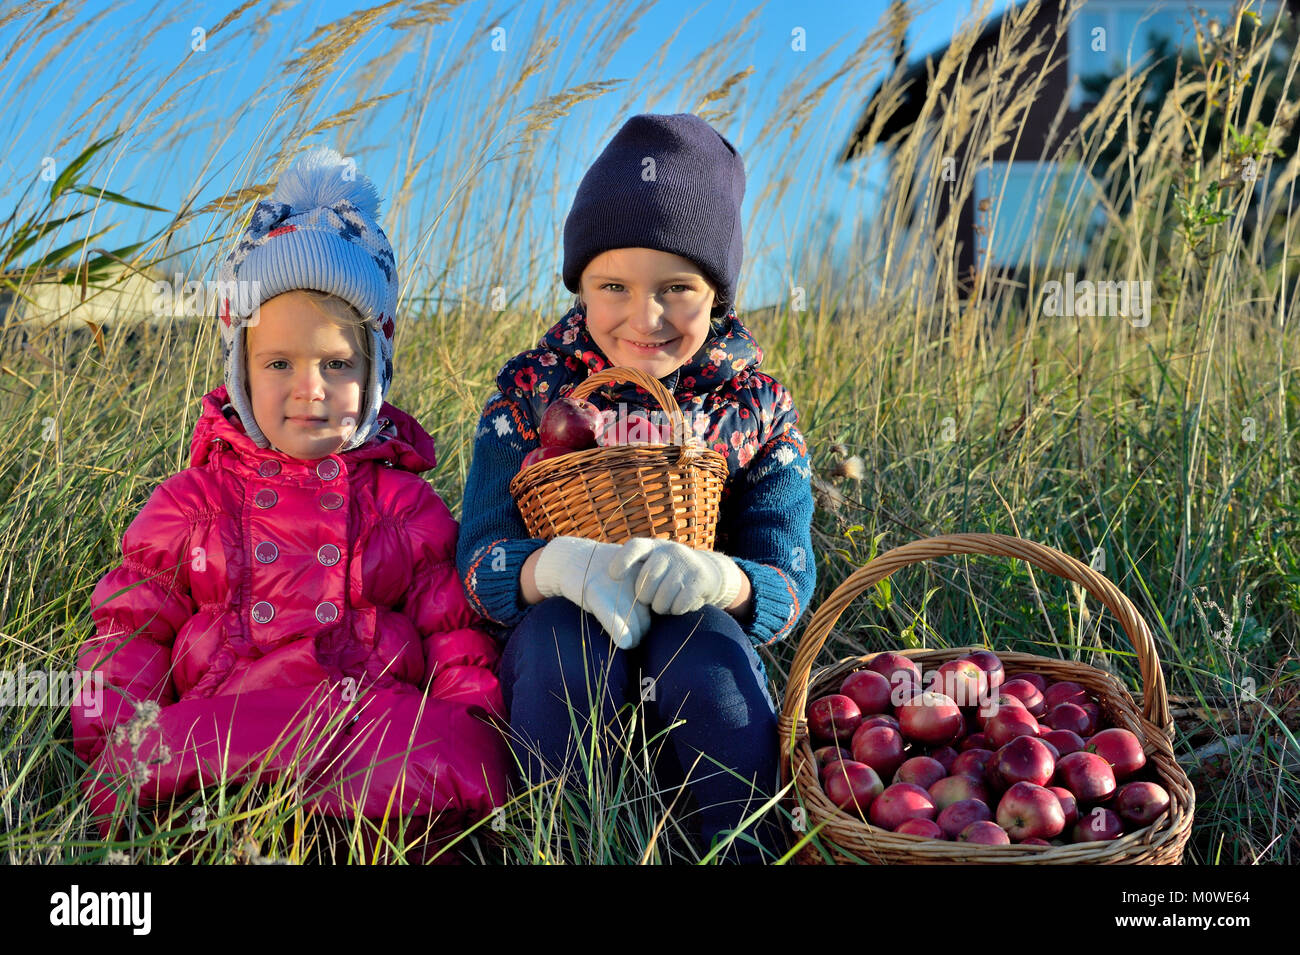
<point x="1122" y="445"/>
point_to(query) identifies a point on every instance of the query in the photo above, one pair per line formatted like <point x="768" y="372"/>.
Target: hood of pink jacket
<point x="400" y="440"/>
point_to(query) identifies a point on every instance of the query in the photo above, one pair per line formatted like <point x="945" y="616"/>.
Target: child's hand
<point x="676" y="579"/>
<point x="575" y="568"/>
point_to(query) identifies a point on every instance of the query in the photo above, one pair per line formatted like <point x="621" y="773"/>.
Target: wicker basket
<point x="845" y="837"/>
<point x="618" y="492"/>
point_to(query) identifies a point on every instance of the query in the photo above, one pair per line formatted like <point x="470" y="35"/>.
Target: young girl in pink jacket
<point x="289" y="603"/>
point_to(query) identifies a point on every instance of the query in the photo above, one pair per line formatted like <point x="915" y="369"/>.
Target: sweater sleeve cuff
<point x="775" y="600"/>
<point x="492" y="580"/>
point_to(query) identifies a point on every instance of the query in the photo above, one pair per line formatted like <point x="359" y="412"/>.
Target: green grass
<point x="1163" y="455"/>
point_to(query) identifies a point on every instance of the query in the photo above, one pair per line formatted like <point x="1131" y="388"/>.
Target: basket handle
<point x="1155" y="700"/>
<point x="618" y="375"/>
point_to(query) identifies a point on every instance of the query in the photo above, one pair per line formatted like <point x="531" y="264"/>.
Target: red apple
<point x="638" y="429"/>
<point x="1141" y="803"/>
<point x="1028" y="694"/>
<point x="953" y="789"/>
<point x="830" y="754"/>
<point x="1121" y="749"/>
<point x="985" y="833"/>
<point x="1065" y="741"/>
<point x="1064" y="692"/>
<point x="1035" y="841"/>
<point x="570" y="423"/>
<point x="988" y="661"/>
<point x="961" y="680"/>
<point x="853" y="786"/>
<point x="833" y="718"/>
<point x="1037" y="679"/>
<point x="826" y="754"/>
<point x="926" y="828"/>
<point x="1086" y="775"/>
<point x="901" y="672"/>
<point x="930" y="718"/>
<point x="543" y="453"/>
<point x="1098" y="825"/>
<point x="946" y="755"/>
<point x="973" y="762"/>
<point x="1068" y="716"/>
<point x="1069" y="805"/>
<point x="868" y="689"/>
<point x="1094" y="714"/>
<point x="888" y="662"/>
<point x="1024" y="759"/>
<point x="880" y="719"/>
<point x="898" y="803"/>
<point x="1008" y="724"/>
<point x="632" y="428"/>
<point x="880" y="747"/>
<point x="1029" y="811"/>
<point x="923" y="771"/>
<point x="607" y="432"/>
<point x="991" y="706"/>
<point x="974" y="741"/>
<point x="953" y="819"/>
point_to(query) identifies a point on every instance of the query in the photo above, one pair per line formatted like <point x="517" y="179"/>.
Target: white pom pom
<point x="321" y="177"/>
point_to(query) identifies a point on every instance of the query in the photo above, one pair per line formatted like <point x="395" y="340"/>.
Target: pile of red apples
<point x="969" y="754"/>
<point x="572" y="424"/>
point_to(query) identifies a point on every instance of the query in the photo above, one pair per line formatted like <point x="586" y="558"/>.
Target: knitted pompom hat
<point x="318" y="230"/>
<point x="671" y="183"/>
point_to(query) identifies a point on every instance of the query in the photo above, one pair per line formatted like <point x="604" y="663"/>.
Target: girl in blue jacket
<point x="652" y="246"/>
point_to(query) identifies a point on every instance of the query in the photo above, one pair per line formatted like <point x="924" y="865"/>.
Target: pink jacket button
<point x="327" y="470"/>
<point x="326" y="612"/>
<point x="265" y="497"/>
<point x="269" y="468"/>
<point x="331" y="500"/>
<point x="328" y="555"/>
<point x="266" y="552"/>
<point x="263" y="612"/>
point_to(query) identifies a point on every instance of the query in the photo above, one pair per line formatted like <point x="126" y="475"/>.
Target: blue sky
<point x="230" y="136"/>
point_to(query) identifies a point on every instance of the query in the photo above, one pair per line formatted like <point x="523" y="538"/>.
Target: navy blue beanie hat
<point x="671" y="183"/>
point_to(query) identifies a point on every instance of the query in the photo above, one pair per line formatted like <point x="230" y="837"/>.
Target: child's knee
<point x="558" y="644"/>
<point x="706" y="657"/>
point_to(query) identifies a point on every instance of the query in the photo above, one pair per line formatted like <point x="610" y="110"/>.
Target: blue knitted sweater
<point x="767" y="506"/>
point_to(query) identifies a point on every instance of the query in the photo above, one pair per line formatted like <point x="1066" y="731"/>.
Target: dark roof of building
<point x="915" y="78"/>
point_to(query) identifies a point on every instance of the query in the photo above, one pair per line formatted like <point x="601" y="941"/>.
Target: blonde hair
<point x="345" y="313"/>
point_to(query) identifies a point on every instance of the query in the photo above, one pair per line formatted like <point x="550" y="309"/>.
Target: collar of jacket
<point x="726" y="357"/>
<point x="399" y="443"/>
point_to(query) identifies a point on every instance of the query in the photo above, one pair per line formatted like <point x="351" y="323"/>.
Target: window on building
<point x="1034" y="213"/>
<point x="1108" y="34"/>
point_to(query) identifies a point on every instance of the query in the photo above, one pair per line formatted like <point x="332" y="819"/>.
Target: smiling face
<point x="306" y="372"/>
<point x="647" y="309"/>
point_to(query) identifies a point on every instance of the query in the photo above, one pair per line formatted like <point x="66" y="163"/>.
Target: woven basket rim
<point x="620" y="490"/>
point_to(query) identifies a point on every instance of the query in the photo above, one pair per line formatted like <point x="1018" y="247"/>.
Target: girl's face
<point x="306" y="372"/>
<point x="647" y="309"/>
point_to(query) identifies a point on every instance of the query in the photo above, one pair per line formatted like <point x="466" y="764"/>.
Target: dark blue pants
<point x="560" y="670"/>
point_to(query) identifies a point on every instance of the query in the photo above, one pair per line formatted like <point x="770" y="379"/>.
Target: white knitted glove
<point x="676" y="579"/>
<point x="576" y="569"/>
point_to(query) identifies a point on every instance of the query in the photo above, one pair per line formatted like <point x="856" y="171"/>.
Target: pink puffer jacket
<point x="288" y="615"/>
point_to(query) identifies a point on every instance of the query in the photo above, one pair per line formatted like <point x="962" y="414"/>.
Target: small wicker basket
<point x="845" y="837"/>
<point x="618" y="492"/>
